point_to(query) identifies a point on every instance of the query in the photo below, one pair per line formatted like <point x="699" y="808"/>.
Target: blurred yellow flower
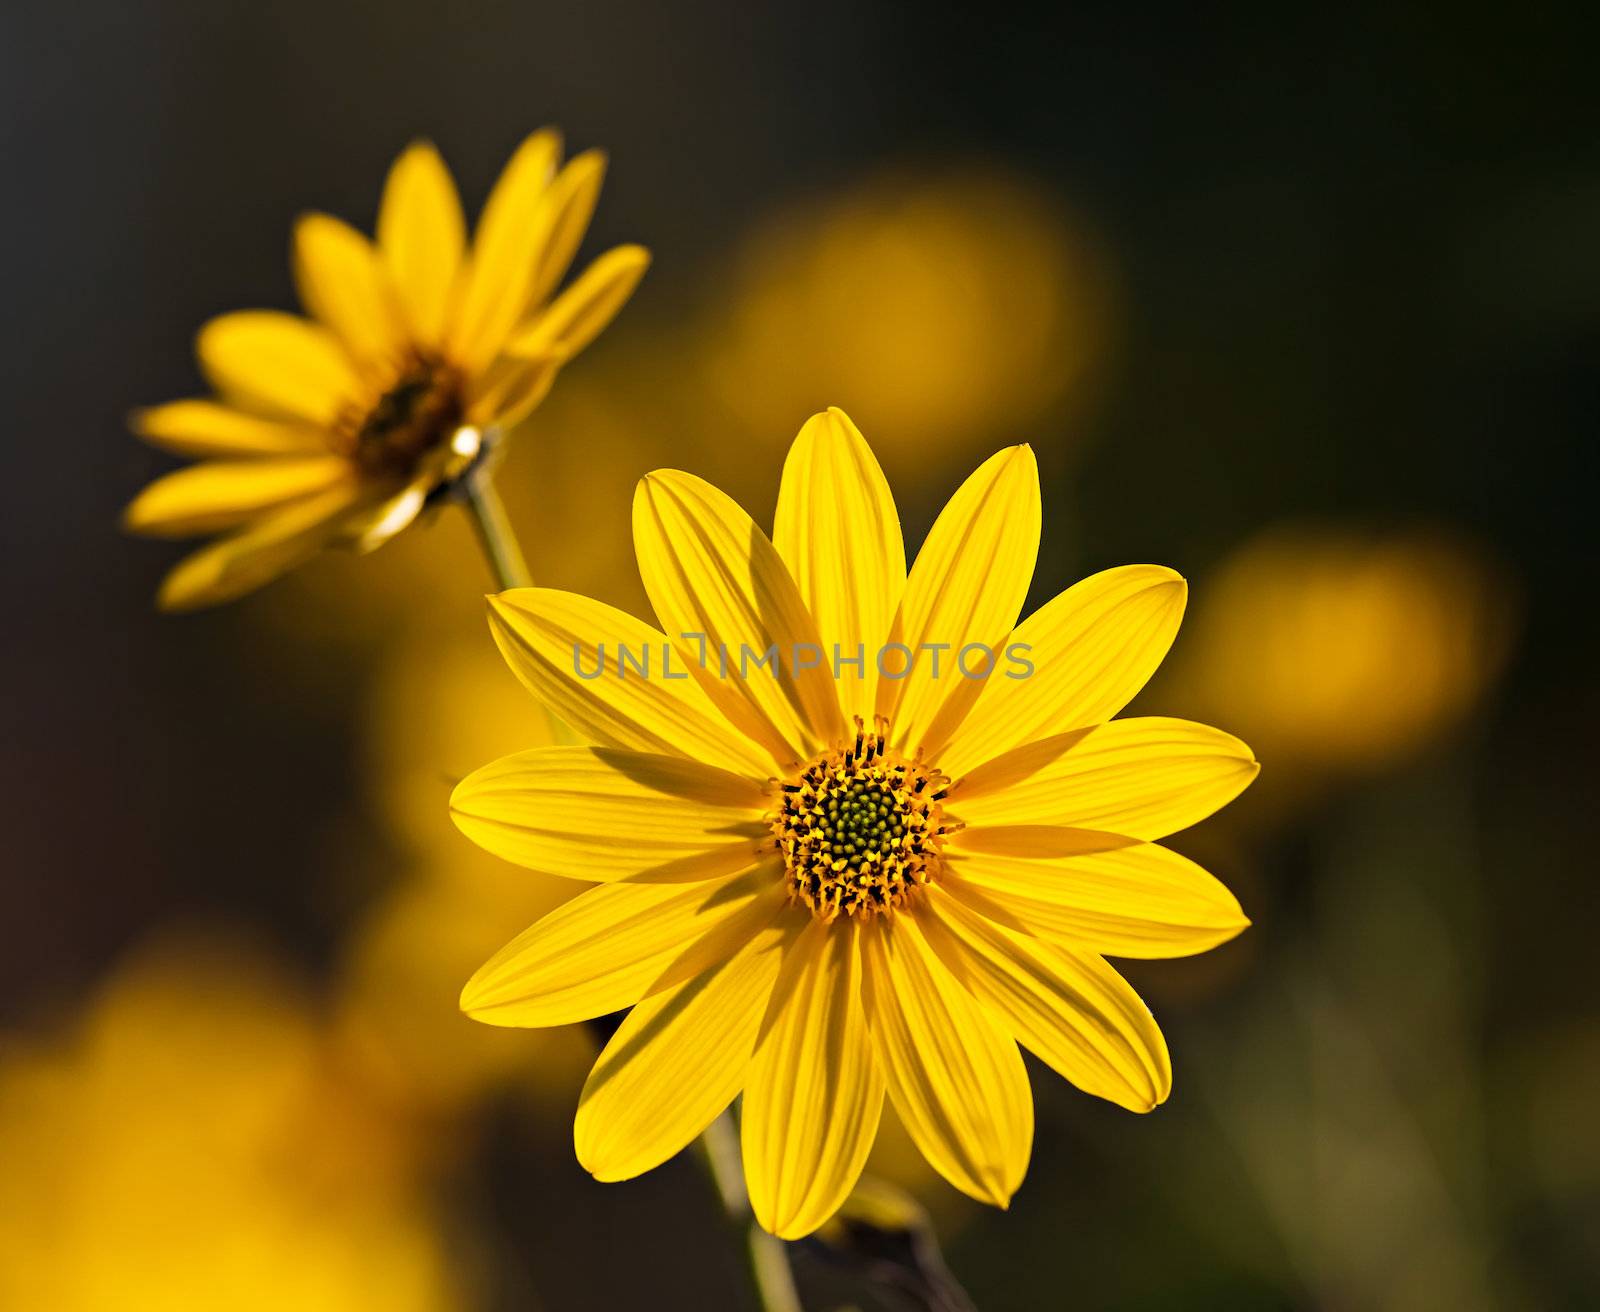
<point x="949" y="307"/>
<point x="440" y="704"/>
<point x="816" y="915"/>
<point x="338" y="427"/>
<point x="1332" y="648"/>
<point x="191" y="1146"/>
<point x="566" y="472"/>
<point x="396" y="1006"/>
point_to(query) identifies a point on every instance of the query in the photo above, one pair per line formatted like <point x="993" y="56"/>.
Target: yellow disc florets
<point x="860" y="827"/>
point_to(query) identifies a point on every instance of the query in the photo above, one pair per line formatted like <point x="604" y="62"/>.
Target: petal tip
<point x="997" y="1192"/>
<point x="608" y="1167"/>
<point x="633" y="253"/>
<point x="548" y="137"/>
<point x="795" y="1229"/>
<point x="179" y="594"/>
<point x="500" y="604"/>
<point x="459" y="815"/>
<point x="129" y="520"/>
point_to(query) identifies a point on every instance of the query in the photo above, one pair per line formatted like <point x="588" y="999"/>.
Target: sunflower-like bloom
<point x="339" y="426"/>
<point x="851" y="866"/>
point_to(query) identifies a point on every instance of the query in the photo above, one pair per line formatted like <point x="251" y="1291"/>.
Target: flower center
<point x="860" y="828"/>
<point x="419" y="412"/>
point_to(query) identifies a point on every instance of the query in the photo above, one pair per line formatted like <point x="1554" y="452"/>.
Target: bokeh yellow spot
<point x="1326" y="647"/>
<point x="945" y="308"/>
<point x="193" y="1143"/>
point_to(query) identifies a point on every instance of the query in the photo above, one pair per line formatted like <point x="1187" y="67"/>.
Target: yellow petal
<point x="577" y="316"/>
<point x="955" y="1076"/>
<point x="375" y="523"/>
<point x="709" y="571"/>
<point x="1034" y="841"/>
<point x="280" y="364"/>
<point x="839" y="533"/>
<point x="499" y="272"/>
<point x="1144" y="777"/>
<point x="568" y="207"/>
<point x="421" y="235"/>
<point x="613" y="943"/>
<point x="1091" y="649"/>
<point x="509" y="389"/>
<point x="223" y="494"/>
<point x="343" y="284"/>
<point x="814" y="1096"/>
<point x="1127" y="900"/>
<point x="678" y="1060"/>
<point x="964" y="591"/>
<point x="274" y="544"/>
<point x="1069" y="1008"/>
<point x="568" y="651"/>
<point x="206" y="428"/>
<point x="601" y="814"/>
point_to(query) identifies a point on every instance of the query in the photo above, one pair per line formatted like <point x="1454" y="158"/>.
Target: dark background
<point x="1347" y="271"/>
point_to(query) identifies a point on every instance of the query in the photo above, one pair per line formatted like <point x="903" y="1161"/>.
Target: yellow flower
<point x="1347" y="651"/>
<point x="338" y="427"/>
<point x="194" y="1142"/>
<point x="827" y="881"/>
<point x="948" y="303"/>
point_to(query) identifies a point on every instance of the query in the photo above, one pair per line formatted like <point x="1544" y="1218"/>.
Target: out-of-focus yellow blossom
<point x="947" y="309"/>
<point x="1333" y="648"/>
<point x="340" y="426"/>
<point x="397" y="1009"/>
<point x="566" y="477"/>
<point x="190" y="1145"/>
<point x="439" y="704"/>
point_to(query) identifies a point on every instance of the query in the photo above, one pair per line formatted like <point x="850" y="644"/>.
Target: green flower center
<point x="860" y="828"/>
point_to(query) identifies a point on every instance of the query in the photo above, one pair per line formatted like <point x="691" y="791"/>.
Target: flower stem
<point x="769" y="1261"/>
<point x="495" y="535"/>
<point x="769" y="1258"/>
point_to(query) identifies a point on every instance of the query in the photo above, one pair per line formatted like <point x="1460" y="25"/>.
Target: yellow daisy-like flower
<point x="823" y="879"/>
<point x="338" y="427"/>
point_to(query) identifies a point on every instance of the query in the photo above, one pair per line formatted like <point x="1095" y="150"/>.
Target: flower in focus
<point x="1339" y="650"/>
<point x="827" y="882"/>
<point x="338" y="427"/>
<point x="192" y="1143"/>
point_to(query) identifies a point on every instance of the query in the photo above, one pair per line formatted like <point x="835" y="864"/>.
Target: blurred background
<point x="1306" y="307"/>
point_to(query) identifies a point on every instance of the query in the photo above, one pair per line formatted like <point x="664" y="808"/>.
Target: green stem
<point x="769" y="1257"/>
<point x="769" y="1261"/>
<point x="495" y="535"/>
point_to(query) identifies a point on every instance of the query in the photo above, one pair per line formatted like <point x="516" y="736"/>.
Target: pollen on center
<point x="860" y="828"/>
